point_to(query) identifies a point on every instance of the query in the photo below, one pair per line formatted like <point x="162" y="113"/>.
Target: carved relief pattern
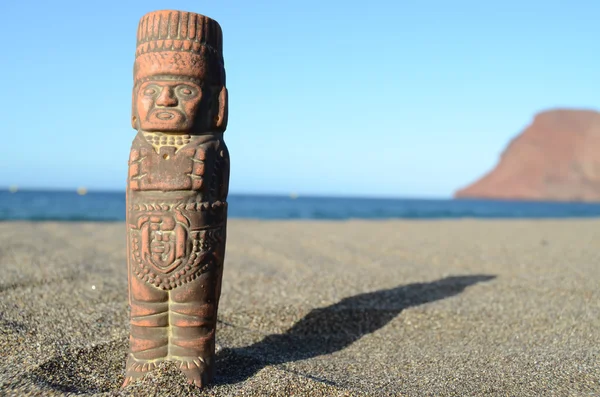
<point x="186" y="167"/>
<point x="166" y="251"/>
<point x="183" y="169"/>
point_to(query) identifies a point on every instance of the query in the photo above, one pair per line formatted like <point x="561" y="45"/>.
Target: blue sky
<point x="397" y="98"/>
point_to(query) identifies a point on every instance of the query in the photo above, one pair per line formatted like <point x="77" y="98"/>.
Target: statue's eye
<point x="149" y="91"/>
<point x="186" y="91"/>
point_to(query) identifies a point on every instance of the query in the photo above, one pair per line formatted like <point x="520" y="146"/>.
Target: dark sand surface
<point x="391" y="308"/>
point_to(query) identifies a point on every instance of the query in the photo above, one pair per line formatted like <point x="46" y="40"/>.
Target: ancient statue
<point x="176" y="194"/>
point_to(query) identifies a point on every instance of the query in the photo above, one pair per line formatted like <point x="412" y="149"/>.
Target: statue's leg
<point x="193" y="318"/>
<point x="149" y="333"/>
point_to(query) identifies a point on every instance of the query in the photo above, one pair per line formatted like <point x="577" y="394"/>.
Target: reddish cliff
<point x="556" y="158"/>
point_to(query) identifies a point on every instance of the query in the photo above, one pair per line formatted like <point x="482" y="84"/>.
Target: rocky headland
<point x="556" y="158"/>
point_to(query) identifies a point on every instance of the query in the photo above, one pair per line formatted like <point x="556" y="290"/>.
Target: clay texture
<point x="554" y="158"/>
<point x="176" y="194"/>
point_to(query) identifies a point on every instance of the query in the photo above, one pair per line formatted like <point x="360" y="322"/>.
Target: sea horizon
<point x="294" y="194"/>
<point x="109" y="206"/>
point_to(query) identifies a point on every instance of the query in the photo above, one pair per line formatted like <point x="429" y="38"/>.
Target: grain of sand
<point x="356" y="308"/>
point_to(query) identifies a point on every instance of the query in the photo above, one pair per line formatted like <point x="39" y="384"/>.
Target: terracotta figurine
<point x="176" y="194"/>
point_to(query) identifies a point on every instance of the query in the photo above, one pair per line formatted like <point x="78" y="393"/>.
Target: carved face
<point x="168" y="105"/>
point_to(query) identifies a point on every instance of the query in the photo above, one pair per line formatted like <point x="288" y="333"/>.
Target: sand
<point x="357" y="308"/>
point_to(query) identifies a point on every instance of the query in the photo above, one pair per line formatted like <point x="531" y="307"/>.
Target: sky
<point x="398" y="98"/>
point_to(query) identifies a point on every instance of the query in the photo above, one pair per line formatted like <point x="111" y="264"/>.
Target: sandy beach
<point x="356" y="308"/>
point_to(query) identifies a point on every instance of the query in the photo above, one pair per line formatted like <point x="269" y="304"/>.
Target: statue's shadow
<point x="330" y="329"/>
<point x="322" y="331"/>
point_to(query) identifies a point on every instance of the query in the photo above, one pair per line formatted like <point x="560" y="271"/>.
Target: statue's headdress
<point x="181" y="44"/>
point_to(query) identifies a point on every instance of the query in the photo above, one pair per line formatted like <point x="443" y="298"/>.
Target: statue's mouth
<point x="165" y="115"/>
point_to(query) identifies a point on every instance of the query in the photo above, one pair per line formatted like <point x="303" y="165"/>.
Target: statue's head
<point x="179" y="76"/>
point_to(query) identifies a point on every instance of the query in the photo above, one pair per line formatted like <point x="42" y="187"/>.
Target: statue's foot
<point x="196" y="371"/>
<point x="136" y="369"/>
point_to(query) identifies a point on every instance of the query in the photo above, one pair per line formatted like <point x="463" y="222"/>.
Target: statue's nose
<point x="166" y="98"/>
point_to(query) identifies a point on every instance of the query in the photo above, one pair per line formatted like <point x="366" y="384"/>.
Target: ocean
<point x="110" y="206"/>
